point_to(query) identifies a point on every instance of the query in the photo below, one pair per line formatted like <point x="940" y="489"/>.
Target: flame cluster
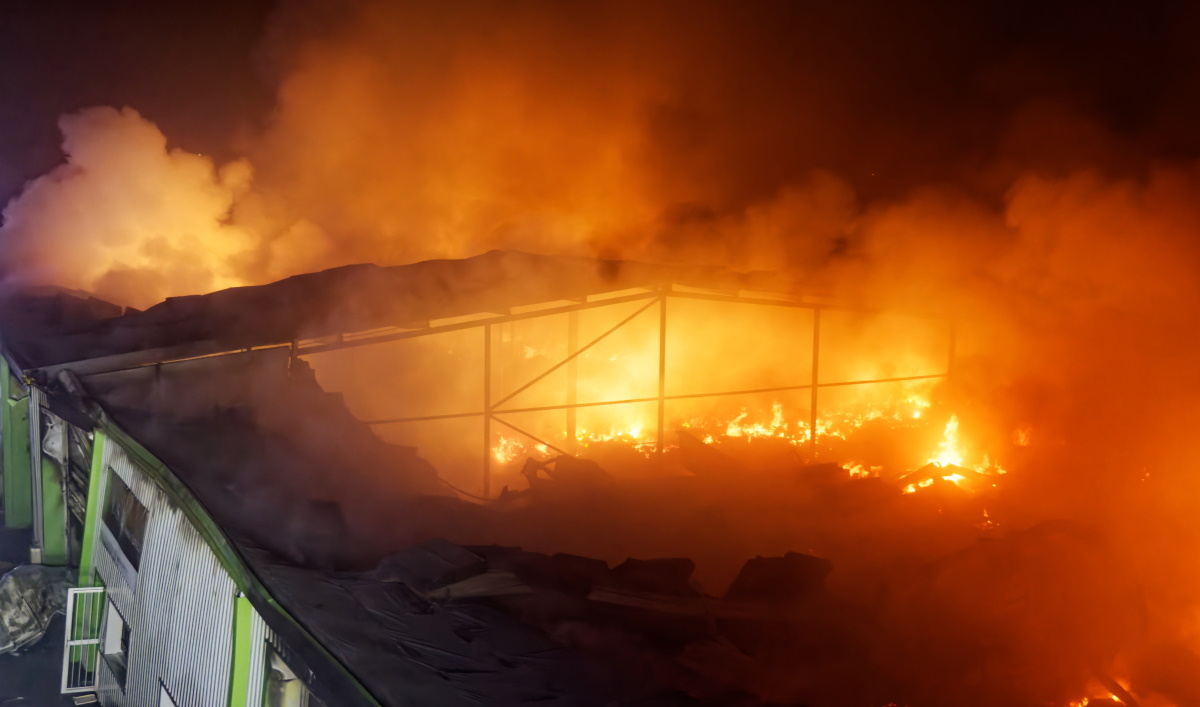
<point x="950" y="454"/>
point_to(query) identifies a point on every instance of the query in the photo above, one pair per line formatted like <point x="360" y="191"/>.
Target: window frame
<point x="115" y="639"/>
<point x="291" y="680"/>
<point x="112" y="538"/>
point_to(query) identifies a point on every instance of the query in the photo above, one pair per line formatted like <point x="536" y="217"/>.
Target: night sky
<point x="765" y="135"/>
<point x="936" y="85"/>
<point x="196" y="67"/>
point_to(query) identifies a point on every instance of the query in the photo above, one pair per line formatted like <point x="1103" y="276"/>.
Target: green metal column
<point x="3" y="421"/>
<point x="54" y="515"/>
<point x="92" y="517"/>
<point x="243" y="655"/>
<point x="18" y="497"/>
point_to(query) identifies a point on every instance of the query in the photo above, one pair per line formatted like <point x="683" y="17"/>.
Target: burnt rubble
<point x="646" y="608"/>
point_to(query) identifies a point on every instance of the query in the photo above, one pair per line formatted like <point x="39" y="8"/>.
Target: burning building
<point x="863" y="374"/>
<point x="514" y="477"/>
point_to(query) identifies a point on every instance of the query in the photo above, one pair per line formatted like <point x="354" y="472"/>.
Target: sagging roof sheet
<point x="291" y="476"/>
<point x="44" y="329"/>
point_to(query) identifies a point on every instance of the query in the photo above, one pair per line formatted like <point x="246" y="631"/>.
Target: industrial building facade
<point x="161" y="614"/>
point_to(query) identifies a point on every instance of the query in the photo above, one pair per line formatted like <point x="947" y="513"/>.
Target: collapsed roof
<point x="312" y="499"/>
<point x="43" y="327"/>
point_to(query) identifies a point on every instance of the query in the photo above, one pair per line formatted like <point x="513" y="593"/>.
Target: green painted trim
<point x="219" y="543"/>
<point x="92" y="517"/>
<point x="4" y="430"/>
<point x="264" y="699"/>
<point x="243" y="652"/>
<point x="18" y="494"/>
<point x="54" y="515"/>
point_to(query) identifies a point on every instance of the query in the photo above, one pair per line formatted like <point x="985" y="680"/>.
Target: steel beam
<point x="628" y="401"/>
<point x="573" y="356"/>
<point x="535" y="438"/>
<point x="572" y="378"/>
<point x="662" y="373"/>
<point x="399" y="336"/>
<point x="816" y="383"/>
<point x="487" y="410"/>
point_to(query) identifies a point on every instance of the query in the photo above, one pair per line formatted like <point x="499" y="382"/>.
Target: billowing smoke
<point x="130" y="220"/>
<point x="783" y="137"/>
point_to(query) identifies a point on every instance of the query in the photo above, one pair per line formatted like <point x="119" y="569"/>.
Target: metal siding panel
<point x="156" y="578"/>
<point x="202" y="626"/>
<point x="181" y="614"/>
<point x="114" y="580"/>
<point x="107" y="689"/>
<point x="258" y="661"/>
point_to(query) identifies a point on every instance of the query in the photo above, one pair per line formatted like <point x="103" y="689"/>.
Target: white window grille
<point x="81" y="649"/>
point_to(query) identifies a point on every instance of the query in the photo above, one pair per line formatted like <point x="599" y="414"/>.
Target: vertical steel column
<point x="35" y="474"/>
<point x="64" y="467"/>
<point x="662" y="372"/>
<point x="816" y="366"/>
<point x="572" y="378"/>
<point x="487" y="409"/>
<point x="91" y="518"/>
<point x="292" y="355"/>
<point x="951" y="353"/>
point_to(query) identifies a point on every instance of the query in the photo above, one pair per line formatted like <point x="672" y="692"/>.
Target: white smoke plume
<point x="133" y="221"/>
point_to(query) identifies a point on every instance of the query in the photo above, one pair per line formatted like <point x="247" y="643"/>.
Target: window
<point x="125" y="518"/>
<point x="114" y="645"/>
<point x="284" y="689"/>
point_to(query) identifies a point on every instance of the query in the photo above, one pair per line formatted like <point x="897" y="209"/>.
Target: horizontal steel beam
<point x="399" y="336"/>
<point x="146" y="357"/>
<point x="210" y="349"/>
<point x="630" y="401"/>
<point x="574" y="354"/>
<point x="796" y="304"/>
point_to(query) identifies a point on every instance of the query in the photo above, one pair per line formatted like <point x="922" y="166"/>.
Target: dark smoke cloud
<point x="666" y="130"/>
<point x="417" y="129"/>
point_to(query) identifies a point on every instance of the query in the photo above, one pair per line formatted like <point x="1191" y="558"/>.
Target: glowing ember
<point x="912" y="488"/>
<point x="858" y="471"/>
<point x="1086" y="701"/>
<point x="507" y="450"/>
<point x="987" y="523"/>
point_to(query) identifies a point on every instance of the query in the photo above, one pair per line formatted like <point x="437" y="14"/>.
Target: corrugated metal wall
<point x="260" y="634"/>
<point x="180" y="613"/>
